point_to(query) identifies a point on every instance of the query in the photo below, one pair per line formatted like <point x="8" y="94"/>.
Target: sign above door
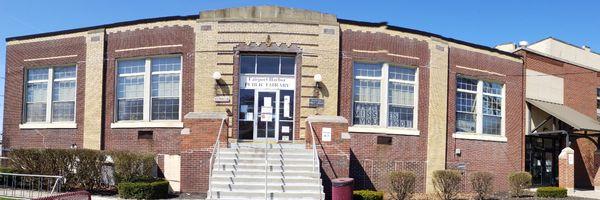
<point x="267" y="82"/>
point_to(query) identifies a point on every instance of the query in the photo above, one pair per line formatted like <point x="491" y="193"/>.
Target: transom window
<point x="50" y="94"/>
<point x="149" y="89"/>
<point x="267" y="64"/>
<point x="479" y="106"/>
<point x="384" y="95"/>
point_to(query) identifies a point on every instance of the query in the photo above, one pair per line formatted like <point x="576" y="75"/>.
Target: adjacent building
<point x="379" y="98"/>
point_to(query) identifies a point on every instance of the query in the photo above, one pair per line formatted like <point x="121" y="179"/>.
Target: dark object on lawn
<point x="367" y="195"/>
<point x="551" y="192"/>
<point x="144" y="190"/>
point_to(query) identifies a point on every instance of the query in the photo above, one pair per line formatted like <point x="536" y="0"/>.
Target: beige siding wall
<point x="92" y="125"/>
<point x="214" y="53"/>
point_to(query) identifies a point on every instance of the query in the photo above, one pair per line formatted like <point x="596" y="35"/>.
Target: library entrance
<point x="266" y="98"/>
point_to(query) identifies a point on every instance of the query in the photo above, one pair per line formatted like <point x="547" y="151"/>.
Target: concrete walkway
<point x="592" y="194"/>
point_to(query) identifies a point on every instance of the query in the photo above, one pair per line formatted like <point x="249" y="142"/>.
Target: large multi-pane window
<point x="384" y="95"/>
<point x="50" y="94"/>
<point x="479" y="106"/>
<point x="148" y="89"/>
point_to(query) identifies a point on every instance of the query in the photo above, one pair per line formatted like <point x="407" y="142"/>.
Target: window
<point x="267" y="64"/>
<point x="148" y="89"/>
<point x="479" y="106"/>
<point x="598" y="102"/>
<point x="50" y="94"/>
<point x="384" y="90"/>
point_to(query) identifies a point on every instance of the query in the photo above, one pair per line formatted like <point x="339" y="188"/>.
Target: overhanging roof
<point x="568" y="115"/>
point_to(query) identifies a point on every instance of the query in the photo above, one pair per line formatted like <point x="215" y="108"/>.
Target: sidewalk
<point x="592" y="194"/>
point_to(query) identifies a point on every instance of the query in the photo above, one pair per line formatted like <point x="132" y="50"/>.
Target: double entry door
<point x="267" y="114"/>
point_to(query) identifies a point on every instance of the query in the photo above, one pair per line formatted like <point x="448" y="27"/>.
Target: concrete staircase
<point x="239" y="172"/>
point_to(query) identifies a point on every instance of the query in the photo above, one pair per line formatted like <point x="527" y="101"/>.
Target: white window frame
<point x="384" y="103"/>
<point x="478" y="134"/>
<point x="48" y="124"/>
<point x="147" y="121"/>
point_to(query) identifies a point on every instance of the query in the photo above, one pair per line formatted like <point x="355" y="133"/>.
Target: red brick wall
<point x="580" y="94"/>
<point x="334" y="155"/>
<point x="14" y="92"/>
<point x="500" y="158"/>
<point x="166" y="140"/>
<point x="370" y="163"/>
<point x="196" y="149"/>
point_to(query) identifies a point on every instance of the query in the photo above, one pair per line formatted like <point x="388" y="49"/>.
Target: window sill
<point x="138" y="124"/>
<point x="391" y="131"/>
<point x="474" y="136"/>
<point x="66" y="125"/>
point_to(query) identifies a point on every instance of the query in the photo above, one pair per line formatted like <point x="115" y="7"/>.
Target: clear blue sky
<point x="482" y="22"/>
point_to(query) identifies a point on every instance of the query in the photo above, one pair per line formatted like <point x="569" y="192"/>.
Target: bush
<point x="402" y="185"/>
<point x="82" y="168"/>
<point x="446" y="183"/>
<point x="482" y="184"/>
<point x="144" y="190"/>
<point x="132" y="167"/>
<point x="519" y="181"/>
<point x="367" y="195"/>
<point x="551" y="192"/>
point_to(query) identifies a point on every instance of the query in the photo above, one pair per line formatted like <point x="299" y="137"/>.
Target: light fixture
<point x="318" y="78"/>
<point x="216" y="75"/>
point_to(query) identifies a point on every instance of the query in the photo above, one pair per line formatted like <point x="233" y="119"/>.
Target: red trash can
<point x="341" y="188"/>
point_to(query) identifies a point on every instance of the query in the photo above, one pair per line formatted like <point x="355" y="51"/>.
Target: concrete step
<point x="262" y="150"/>
<point x="270" y="146"/>
<point x="276" y="155"/>
<point x="261" y="174"/>
<point x="261" y="187"/>
<point x="270" y="161"/>
<point x="270" y="195"/>
<point x="261" y="167"/>
<point x="271" y="180"/>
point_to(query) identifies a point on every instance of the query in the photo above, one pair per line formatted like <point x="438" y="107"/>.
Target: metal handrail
<point x="216" y="149"/>
<point x="316" y="161"/>
<point x="29" y="185"/>
<point x="266" y="165"/>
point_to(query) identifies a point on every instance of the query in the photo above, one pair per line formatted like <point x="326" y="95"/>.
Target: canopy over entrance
<point x="567" y="115"/>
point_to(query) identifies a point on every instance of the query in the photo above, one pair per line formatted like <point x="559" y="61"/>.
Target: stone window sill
<point x="154" y="124"/>
<point x="482" y="137"/>
<point x="391" y="131"/>
<point x="66" y="125"/>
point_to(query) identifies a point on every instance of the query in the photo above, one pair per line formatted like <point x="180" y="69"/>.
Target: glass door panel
<point x="266" y="115"/>
<point x="246" y="114"/>
<point x="286" y="115"/>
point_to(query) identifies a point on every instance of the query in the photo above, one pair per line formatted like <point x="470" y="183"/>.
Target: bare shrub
<point x="482" y="184"/>
<point x="519" y="181"/>
<point x="447" y="183"/>
<point x="402" y="185"/>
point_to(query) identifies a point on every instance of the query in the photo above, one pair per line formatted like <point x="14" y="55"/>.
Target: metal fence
<point x="29" y="185"/>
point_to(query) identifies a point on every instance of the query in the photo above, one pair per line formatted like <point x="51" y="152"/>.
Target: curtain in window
<point x="165" y="88"/>
<point x="130" y="90"/>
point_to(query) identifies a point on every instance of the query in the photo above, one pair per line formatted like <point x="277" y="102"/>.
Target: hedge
<point x="551" y="192"/>
<point x="367" y="195"/>
<point x="82" y="168"/>
<point x="144" y="190"/>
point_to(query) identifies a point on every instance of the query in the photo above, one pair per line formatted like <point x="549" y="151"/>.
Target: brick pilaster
<point x="333" y="154"/>
<point x="566" y="168"/>
<point x="197" y="140"/>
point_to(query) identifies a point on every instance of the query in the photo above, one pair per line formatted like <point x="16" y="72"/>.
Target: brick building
<point x="378" y="98"/>
<point x="562" y="95"/>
